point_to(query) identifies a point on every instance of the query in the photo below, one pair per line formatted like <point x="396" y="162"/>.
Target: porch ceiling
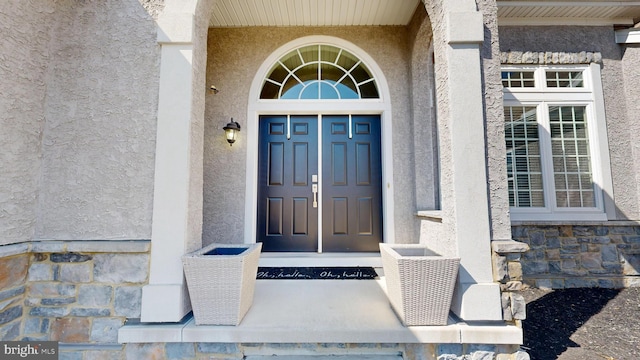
<point x="241" y="13"/>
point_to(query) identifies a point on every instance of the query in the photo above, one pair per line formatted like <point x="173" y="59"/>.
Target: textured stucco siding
<point x="594" y="39"/>
<point x="494" y="128"/>
<point x="234" y="56"/>
<point x="631" y="76"/>
<point x="99" y="137"/>
<point x="24" y="39"/>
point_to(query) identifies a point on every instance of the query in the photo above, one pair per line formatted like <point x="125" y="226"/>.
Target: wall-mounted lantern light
<point x="232" y="129"/>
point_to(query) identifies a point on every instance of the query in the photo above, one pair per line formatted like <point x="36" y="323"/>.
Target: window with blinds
<point x="550" y="131"/>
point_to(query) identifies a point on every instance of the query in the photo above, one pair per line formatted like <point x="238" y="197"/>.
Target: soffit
<point x="568" y="12"/>
<point x="240" y="13"/>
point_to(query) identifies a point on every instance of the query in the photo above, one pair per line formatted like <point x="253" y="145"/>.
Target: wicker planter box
<point x="221" y="280"/>
<point x="420" y="283"/>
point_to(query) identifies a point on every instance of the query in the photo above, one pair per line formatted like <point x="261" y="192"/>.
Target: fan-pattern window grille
<point x="319" y="72"/>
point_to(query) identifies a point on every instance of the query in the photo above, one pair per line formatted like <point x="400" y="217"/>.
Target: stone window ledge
<point x="430" y="214"/>
<point x="577" y="223"/>
<point x="322" y="311"/>
<point x="82" y="246"/>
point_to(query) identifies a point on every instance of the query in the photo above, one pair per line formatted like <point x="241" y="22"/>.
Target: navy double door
<point x="319" y="191"/>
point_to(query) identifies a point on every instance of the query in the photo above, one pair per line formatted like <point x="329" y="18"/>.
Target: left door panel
<point x="287" y="158"/>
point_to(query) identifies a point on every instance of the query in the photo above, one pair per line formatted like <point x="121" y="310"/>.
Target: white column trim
<point x="477" y="297"/>
<point x="165" y="298"/>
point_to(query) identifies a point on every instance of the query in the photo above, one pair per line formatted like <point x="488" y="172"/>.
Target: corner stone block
<point x="10" y="314"/>
<point x="49" y="290"/>
<point x="518" y="307"/>
<point x="13" y="271"/>
<point x="105" y="330"/>
<point x="40" y="272"/>
<point x="179" y="350"/>
<point x="10" y="332"/>
<point x="94" y="295"/>
<point x="144" y="351"/>
<point x="75" y="273"/>
<point x="609" y="253"/>
<point x="70" y="330"/>
<point x="121" y="268"/>
<point x="591" y="260"/>
<point x="500" y="267"/>
<point x="506" y="307"/>
<point x="127" y="301"/>
<point x="515" y="270"/>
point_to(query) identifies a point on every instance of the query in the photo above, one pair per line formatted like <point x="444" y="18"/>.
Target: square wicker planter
<point x="221" y="280"/>
<point x="420" y="283"/>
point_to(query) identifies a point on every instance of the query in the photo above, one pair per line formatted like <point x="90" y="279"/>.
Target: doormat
<point x="316" y="273"/>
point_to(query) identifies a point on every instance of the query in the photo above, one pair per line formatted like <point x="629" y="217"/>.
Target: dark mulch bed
<point x="582" y="324"/>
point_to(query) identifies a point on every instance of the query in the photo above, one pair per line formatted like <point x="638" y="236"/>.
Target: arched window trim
<point x="320" y="80"/>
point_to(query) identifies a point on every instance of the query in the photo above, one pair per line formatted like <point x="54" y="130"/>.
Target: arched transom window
<point x="319" y="72"/>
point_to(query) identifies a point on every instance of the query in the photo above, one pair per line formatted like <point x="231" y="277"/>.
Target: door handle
<point x="314" y="190"/>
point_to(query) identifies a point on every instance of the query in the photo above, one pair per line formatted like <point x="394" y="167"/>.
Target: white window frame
<point x="591" y="97"/>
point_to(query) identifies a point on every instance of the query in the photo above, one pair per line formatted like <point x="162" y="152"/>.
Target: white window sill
<point x="322" y="311"/>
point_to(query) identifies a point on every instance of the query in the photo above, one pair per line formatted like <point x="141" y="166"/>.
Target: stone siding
<point x="593" y="255"/>
<point x="71" y="292"/>
<point x="13" y="275"/>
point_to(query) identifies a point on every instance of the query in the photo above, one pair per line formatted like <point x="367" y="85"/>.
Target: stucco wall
<point x="24" y="55"/>
<point x="99" y="137"/>
<point x="494" y="128"/>
<point x="621" y="139"/>
<point x="234" y="56"/>
<point x="631" y="76"/>
<point x="425" y="139"/>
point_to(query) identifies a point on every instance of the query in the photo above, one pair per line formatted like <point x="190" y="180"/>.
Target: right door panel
<point x="351" y="184"/>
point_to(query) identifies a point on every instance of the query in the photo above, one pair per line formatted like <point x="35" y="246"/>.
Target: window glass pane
<point x="327" y="91"/>
<point x="350" y="86"/>
<point x="330" y="72"/>
<point x="309" y="53"/>
<point x="518" y="79"/>
<point x="278" y="73"/>
<point x="346" y="92"/>
<point x="369" y="90"/>
<point x="291" y="88"/>
<point x="360" y="73"/>
<point x="329" y="53"/>
<point x="308" y="72"/>
<point x="269" y="91"/>
<point x="311" y="90"/>
<point x="292" y="60"/>
<point x="523" y="156"/>
<point x="571" y="158"/>
<point x="346" y="60"/>
<point x="564" y="79"/>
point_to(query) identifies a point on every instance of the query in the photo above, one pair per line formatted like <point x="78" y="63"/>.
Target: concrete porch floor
<point x="322" y="311"/>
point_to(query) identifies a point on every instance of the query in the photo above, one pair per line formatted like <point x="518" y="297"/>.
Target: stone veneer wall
<point x="13" y="275"/>
<point x="580" y="255"/>
<point x="76" y="292"/>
